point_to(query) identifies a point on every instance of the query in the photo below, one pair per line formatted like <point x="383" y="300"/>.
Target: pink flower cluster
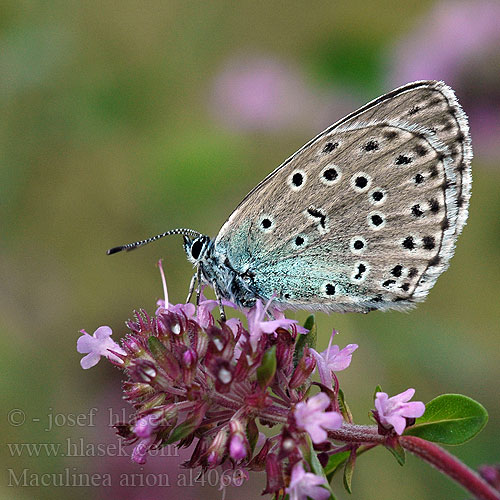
<point x="192" y="381"/>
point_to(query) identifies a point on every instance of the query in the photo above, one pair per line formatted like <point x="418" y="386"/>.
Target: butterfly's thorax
<point x="231" y="283"/>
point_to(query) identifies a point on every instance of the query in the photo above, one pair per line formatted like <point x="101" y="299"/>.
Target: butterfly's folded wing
<point x="364" y="216"/>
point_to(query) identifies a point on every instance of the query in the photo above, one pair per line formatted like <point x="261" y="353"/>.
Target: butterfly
<point x="364" y="217"/>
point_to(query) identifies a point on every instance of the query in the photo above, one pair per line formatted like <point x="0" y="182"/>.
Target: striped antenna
<point x="137" y="244"/>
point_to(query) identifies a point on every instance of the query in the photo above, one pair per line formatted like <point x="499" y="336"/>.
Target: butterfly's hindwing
<point x="366" y="215"/>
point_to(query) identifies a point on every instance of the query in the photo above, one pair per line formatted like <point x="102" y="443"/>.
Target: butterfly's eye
<point x="196" y="249"/>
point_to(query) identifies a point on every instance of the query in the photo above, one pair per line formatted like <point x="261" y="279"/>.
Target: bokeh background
<point x="119" y="120"/>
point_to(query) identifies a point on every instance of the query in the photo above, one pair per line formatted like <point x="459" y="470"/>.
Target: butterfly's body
<point x="365" y="216"/>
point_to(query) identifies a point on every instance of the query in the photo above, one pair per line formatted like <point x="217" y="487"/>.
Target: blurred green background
<point x="119" y="120"/>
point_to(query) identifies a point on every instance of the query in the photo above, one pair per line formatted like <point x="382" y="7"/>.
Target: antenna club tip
<point x="113" y="250"/>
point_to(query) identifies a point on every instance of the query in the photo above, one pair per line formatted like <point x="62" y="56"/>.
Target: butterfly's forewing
<point x="365" y="215"/>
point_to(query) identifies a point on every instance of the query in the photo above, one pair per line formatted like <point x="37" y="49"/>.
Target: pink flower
<point x="256" y="92"/>
<point x="145" y="426"/>
<point x="237" y="448"/>
<point x="394" y="411"/>
<point x="312" y="417"/>
<point x="97" y="345"/>
<point x="306" y="484"/>
<point x="333" y="359"/>
<point x="257" y="325"/>
<point x="144" y="429"/>
<point x="238" y="445"/>
<point x="140" y="452"/>
<point x="259" y="92"/>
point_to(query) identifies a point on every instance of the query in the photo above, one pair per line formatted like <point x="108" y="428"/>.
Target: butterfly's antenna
<point x="132" y="246"/>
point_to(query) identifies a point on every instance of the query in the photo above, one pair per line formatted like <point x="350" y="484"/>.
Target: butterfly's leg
<point x="219" y="300"/>
<point x="191" y="287"/>
<point x="198" y="289"/>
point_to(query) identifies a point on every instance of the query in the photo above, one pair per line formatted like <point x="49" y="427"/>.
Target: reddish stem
<point x="451" y="466"/>
<point x="430" y="452"/>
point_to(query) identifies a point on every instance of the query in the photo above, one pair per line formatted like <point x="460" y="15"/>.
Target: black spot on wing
<point x="330" y="146"/>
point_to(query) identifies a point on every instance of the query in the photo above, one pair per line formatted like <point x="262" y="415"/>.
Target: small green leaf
<point x="157" y="349"/>
<point x="190" y="424"/>
<point x="305" y="339"/>
<point x="312" y="459"/>
<point x="267" y="369"/>
<point x="334" y="463"/>
<point x="310" y="324"/>
<point x="450" y="419"/>
<point x="399" y="453"/>
<point x="377" y="389"/>
<point x="252" y="432"/>
<point x="349" y="470"/>
<point x="344" y="408"/>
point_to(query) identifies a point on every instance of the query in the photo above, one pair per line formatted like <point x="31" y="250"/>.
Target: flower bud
<point x="274" y="475"/>
<point x="303" y="370"/>
<point x="238" y="446"/>
<point x="218" y="449"/>
<point x="142" y="371"/>
<point x="189" y="365"/>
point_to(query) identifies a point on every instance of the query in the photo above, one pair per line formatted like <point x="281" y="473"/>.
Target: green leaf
<point x="157" y="349"/>
<point x="334" y="463"/>
<point x="252" y="432"/>
<point x="349" y="470"/>
<point x="377" y="389"/>
<point x="344" y="408"/>
<point x="267" y="369"/>
<point x="305" y="339"/>
<point x="450" y="419"/>
<point x="312" y="459"/>
<point x="310" y="324"/>
<point x="189" y="425"/>
<point x="398" y="452"/>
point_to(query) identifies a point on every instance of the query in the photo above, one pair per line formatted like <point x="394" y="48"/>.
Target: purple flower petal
<point x="97" y="345"/>
<point x="140" y="451"/>
<point x="237" y="448"/>
<point x="257" y="325"/>
<point x="333" y="359"/>
<point x="394" y="411"/>
<point x="145" y="426"/>
<point x="311" y="417"/>
<point x="305" y="484"/>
